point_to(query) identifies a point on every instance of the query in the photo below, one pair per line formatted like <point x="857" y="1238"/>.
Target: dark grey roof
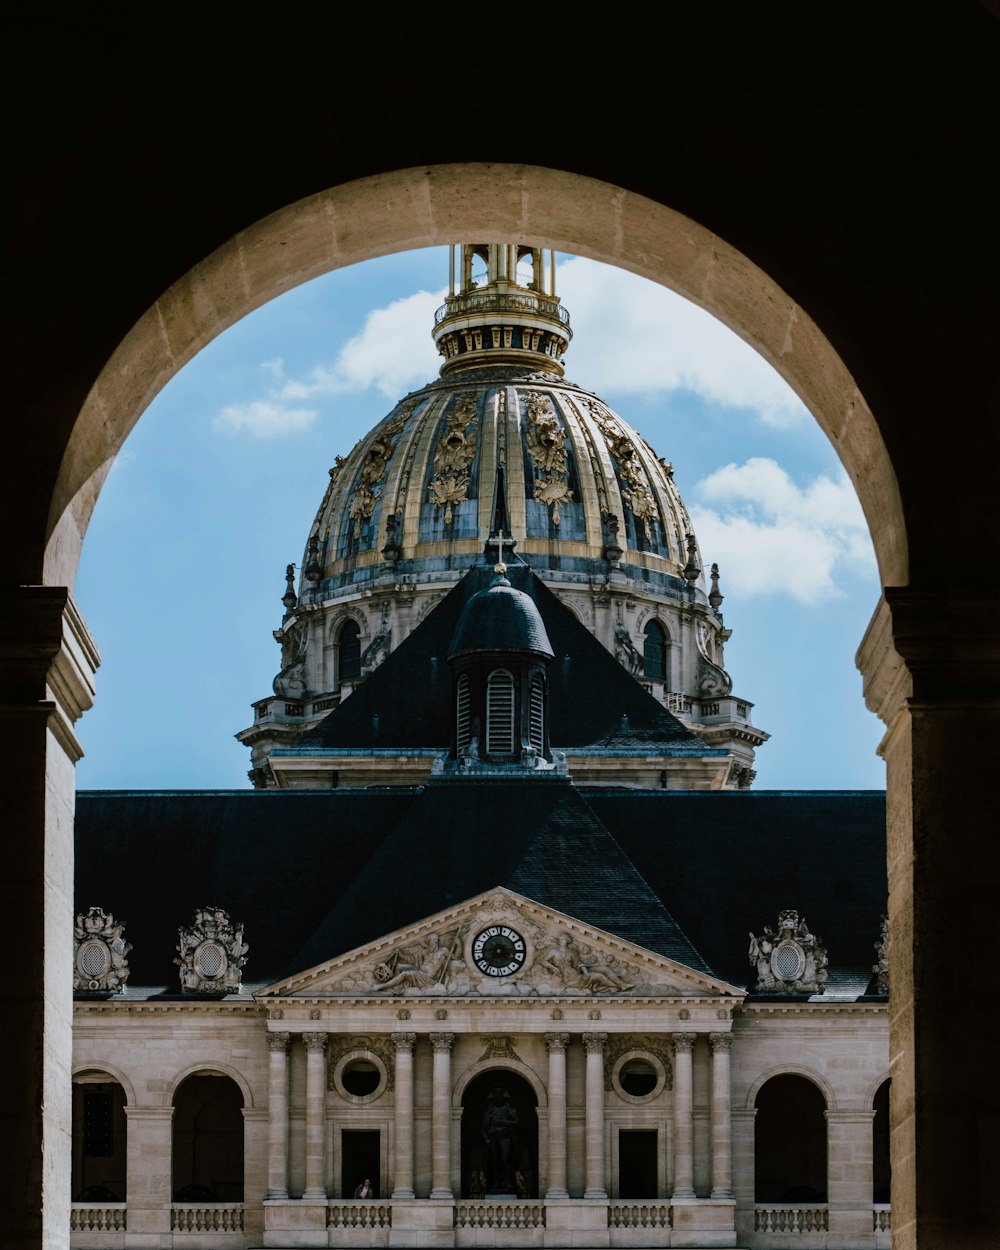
<point x="589" y="691"/>
<point x="500" y="618"/>
<point x="312" y="875"/>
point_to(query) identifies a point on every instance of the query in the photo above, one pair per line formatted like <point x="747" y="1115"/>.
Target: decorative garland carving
<point x="367" y="490"/>
<point x="636" y="495"/>
<point x="211" y="953"/>
<point x="455" y="452"/>
<point x="546" y="443"/>
<point x="377" y="1046"/>
<point x="499" y="1048"/>
<point x="99" y="961"/>
<point x="641" y="1042"/>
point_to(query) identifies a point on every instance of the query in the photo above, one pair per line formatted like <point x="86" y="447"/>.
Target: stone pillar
<point x="277" y="1113"/>
<point x="441" y="1116"/>
<point x="315" y="1044"/>
<point x="150" y="1151"/>
<point x="47" y="666"/>
<point x="930" y="664"/>
<point x="722" y="1124"/>
<point x="403" y="1164"/>
<point x="556" y="1045"/>
<point x="849" y="1175"/>
<point x="594" y="1115"/>
<point x="683" y="1113"/>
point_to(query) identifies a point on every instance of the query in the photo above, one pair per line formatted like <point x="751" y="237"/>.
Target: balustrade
<point x="361" y="1214"/>
<point x="629" y="1213"/>
<point x="97" y="1217"/>
<point x="218" y="1218"/>
<point x="882" y="1219"/>
<point x="486" y="1214"/>
<point x="791" y="1219"/>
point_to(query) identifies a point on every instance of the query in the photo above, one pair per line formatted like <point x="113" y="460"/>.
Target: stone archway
<point x="499" y="1136"/>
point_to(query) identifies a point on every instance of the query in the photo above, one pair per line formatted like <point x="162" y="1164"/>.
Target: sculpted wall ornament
<point x="211" y="953"/>
<point x="881" y="966"/>
<point x="626" y="652"/>
<point x="637" y="496"/>
<point x="791" y="961"/>
<point x="453" y="458"/>
<point x="99" y="961"/>
<point x="367" y="489"/>
<point x="380" y="645"/>
<point x="713" y="681"/>
<point x="499" y="1048"/>
<point x="546" y="443"/>
<point x="580" y="967"/>
<point x="294" y="640"/>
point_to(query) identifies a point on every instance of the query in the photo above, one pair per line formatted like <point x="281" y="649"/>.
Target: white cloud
<point x="639" y="336"/>
<point x="264" y="418"/>
<point x="771" y="536"/>
<point x="393" y="353"/>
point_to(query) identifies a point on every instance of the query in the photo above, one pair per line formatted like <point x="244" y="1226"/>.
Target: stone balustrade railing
<point x="217" y="1218"/>
<point x="791" y="1218"/>
<point x="362" y="1213"/>
<point x="482" y="1213"/>
<point x="882" y="1218"/>
<point x="634" y="1213"/>
<point x="97" y="1217"/>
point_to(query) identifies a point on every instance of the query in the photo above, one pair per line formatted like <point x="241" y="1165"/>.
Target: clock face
<point x="498" y="951"/>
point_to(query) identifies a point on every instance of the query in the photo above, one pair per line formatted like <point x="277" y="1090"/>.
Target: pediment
<point x="501" y="944"/>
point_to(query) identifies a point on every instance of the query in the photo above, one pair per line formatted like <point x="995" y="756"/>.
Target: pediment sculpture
<point x="99" y="961"/>
<point x="789" y="961"/>
<point x="211" y="953"/>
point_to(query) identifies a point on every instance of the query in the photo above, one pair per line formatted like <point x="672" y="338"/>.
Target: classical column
<point x="47" y="666"/>
<point x="594" y="1115"/>
<point x="683" y="1109"/>
<point x="315" y="1044"/>
<point x="277" y="1110"/>
<point x="722" y="1124"/>
<point x="556" y="1043"/>
<point x="441" y="1116"/>
<point x="403" y="1167"/>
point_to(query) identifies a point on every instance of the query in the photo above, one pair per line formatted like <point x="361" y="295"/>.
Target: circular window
<point x="360" y="1076"/>
<point x="638" y="1076"/>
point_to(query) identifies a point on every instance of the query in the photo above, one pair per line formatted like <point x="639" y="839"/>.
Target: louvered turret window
<point x="500" y="713"/>
<point x="462" y="734"/>
<point x="537" y="714"/>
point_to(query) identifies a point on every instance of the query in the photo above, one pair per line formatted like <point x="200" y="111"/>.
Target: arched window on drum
<point x="349" y="652"/>
<point x="655" y="652"/>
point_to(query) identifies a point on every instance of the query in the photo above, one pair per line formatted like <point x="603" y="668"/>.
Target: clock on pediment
<point x="498" y="951"/>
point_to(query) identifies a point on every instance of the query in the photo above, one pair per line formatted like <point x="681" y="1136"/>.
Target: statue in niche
<point x="626" y="652"/>
<point x="499" y="1129"/>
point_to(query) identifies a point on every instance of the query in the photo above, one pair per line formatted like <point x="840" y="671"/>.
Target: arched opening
<point x="654" y="651"/>
<point x="881" y="1162"/>
<point x="499" y="1137"/>
<point x="349" y="652"/>
<point x="207" y="1155"/>
<point x="790" y="1141"/>
<point x="100" y="1139"/>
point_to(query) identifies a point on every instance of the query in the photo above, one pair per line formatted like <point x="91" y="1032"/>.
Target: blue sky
<point x="215" y="490"/>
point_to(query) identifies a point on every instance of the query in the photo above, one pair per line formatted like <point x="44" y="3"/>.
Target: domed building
<point x="503" y="447"/>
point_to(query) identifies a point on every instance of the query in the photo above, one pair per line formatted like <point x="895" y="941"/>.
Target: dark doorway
<point x="881" y="1166"/>
<point x="208" y="1140"/>
<point x="790" y="1141"/>
<point x="499" y="1137"/>
<point x="361" y="1155"/>
<point x="637" y="1164"/>
<point x="99" y="1143"/>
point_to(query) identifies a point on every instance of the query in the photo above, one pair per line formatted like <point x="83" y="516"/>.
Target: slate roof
<point x="500" y="618"/>
<point x="314" y="874"/>
<point x="593" y="701"/>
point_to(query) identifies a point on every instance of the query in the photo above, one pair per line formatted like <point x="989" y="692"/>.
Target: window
<point x="537" y="710"/>
<point x="349" y="652"/>
<point x="500" y="713"/>
<point x="462" y="723"/>
<point x="654" y="652"/>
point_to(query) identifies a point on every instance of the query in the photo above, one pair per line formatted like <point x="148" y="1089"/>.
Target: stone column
<point x="556" y="1044"/>
<point x="403" y="1164"/>
<point x="315" y="1044"/>
<point x="441" y="1116"/>
<point x="683" y="1111"/>
<point x="930" y="664"/>
<point x="594" y="1115"/>
<point x="277" y="1112"/>
<point x="722" y="1123"/>
<point x="47" y="666"/>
